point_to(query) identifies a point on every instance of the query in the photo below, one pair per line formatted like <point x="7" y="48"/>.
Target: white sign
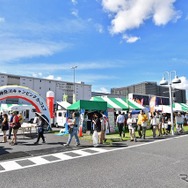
<point x="14" y="91"/>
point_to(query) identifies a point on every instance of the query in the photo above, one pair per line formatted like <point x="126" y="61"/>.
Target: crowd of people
<point x="10" y="123"/>
<point x="158" y="122"/>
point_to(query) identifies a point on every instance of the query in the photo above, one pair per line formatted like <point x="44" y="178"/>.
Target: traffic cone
<point x="80" y="131"/>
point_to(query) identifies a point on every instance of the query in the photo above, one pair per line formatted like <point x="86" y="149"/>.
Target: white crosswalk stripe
<point x="82" y="153"/>
<point x="10" y="165"/>
<point x="42" y="160"/>
<point x="63" y="156"/>
<point x="38" y="160"/>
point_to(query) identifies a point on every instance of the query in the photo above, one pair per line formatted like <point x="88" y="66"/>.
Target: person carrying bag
<point x="73" y="129"/>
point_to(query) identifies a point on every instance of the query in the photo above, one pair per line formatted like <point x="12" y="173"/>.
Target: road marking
<point x="82" y="153"/>
<point x="38" y="160"/>
<point x="10" y="165"/>
<point x="63" y="156"/>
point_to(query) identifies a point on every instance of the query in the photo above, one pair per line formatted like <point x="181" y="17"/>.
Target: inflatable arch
<point x="25" y="93"/>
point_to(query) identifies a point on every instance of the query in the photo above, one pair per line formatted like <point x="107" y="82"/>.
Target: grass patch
<point x="114" y="137"/>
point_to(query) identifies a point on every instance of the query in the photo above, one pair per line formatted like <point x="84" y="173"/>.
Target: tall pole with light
<point x="74" y="93"/>
<point x="169" y="82"/>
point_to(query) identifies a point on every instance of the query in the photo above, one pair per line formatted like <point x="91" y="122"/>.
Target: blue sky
<point x="114" y="43"/>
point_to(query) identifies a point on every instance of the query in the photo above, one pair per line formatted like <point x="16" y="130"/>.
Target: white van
<point x="28" y="112"/>
<point x="60" y="118"/>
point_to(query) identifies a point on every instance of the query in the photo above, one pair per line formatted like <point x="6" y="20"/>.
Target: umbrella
<point x="43" y="117"/>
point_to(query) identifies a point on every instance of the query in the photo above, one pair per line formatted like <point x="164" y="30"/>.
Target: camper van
<point x="60" y="118"/>
<point x="28" y="111"/>
<point x="60" y="113"/>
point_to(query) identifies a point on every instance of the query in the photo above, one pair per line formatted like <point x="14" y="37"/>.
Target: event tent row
<point x="119" y="103"/>
<point x="182" y="107"/>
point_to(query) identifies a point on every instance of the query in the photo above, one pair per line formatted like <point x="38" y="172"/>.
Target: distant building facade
<point x="150" y="89"/>
<point x="41" y="86"/>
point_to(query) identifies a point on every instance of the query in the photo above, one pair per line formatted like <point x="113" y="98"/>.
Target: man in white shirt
<point x="179" y="120"/>
<point x="120" y="121"/>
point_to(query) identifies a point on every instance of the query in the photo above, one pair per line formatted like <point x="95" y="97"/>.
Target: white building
<point x="41" y="86"/>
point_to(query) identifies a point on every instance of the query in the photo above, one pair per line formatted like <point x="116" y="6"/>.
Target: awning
<point x="88" y="105"/>
<point x="63" y="104"/>
<point x="119" y="103"/>
<point x="176" y="107"/>
<point x="134" y="105"/>
<point x="180" y="107"/>
<point x="116" y="103"/>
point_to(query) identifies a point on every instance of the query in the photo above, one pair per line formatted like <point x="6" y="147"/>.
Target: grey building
<point x="41" y="86"/>
<point x="150" y="89"/>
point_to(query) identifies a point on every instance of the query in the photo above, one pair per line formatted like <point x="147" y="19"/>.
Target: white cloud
<point x="74" y="2"/>
<point x="75" y="12"/>
<point x="52" y="77"/>
<point x="183" y="84"/>
<point x="131" y="14"/>
<point x="103" y="90"/>
<point x="99" y="28"/>
<point x="2" y="20"/>
<point x="130" y="39"/>
<point x="15" y="49"/>
<point x="39" y="74"/>
<point x="43" y="70"/>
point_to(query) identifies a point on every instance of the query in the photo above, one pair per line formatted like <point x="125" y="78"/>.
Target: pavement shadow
<point x="3" y="150"/>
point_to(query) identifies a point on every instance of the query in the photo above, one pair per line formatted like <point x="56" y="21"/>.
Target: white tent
<point x="63" y="104"/>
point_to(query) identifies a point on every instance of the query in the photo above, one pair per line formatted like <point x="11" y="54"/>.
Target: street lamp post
<point x="176" y="80"/>
<point x="74" y="94"/>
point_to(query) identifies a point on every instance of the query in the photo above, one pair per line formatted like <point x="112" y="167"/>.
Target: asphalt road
<point x="163" y="163"/>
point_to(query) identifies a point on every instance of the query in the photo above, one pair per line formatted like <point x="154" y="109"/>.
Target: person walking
<point x="131" y="122"/>
<point x="5" y="127"/>
<point x="10" y="123"/>
<point x="139" y="122"/>
<point x="142" y="124"/>
<point x="164" y="123"/>
<point x="120" y="121"/>
<point x="40" y="126"/>
<point x="96" y="129"/>
<point x="103" y="130"/>
<point x="179" y="120"/>
<point x="154" y="123"/>
<point x="15" y="124"/>
<point x="73" y="130"/>
<point x="159" y="123"/>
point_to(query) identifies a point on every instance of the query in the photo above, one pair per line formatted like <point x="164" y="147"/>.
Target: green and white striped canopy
<point x="176" y="107"/>
<point x="180" y="107"/>
<point x="119" y="103"/>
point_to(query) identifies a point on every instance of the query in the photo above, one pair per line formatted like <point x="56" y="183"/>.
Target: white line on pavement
<point x="39" y="160"/>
